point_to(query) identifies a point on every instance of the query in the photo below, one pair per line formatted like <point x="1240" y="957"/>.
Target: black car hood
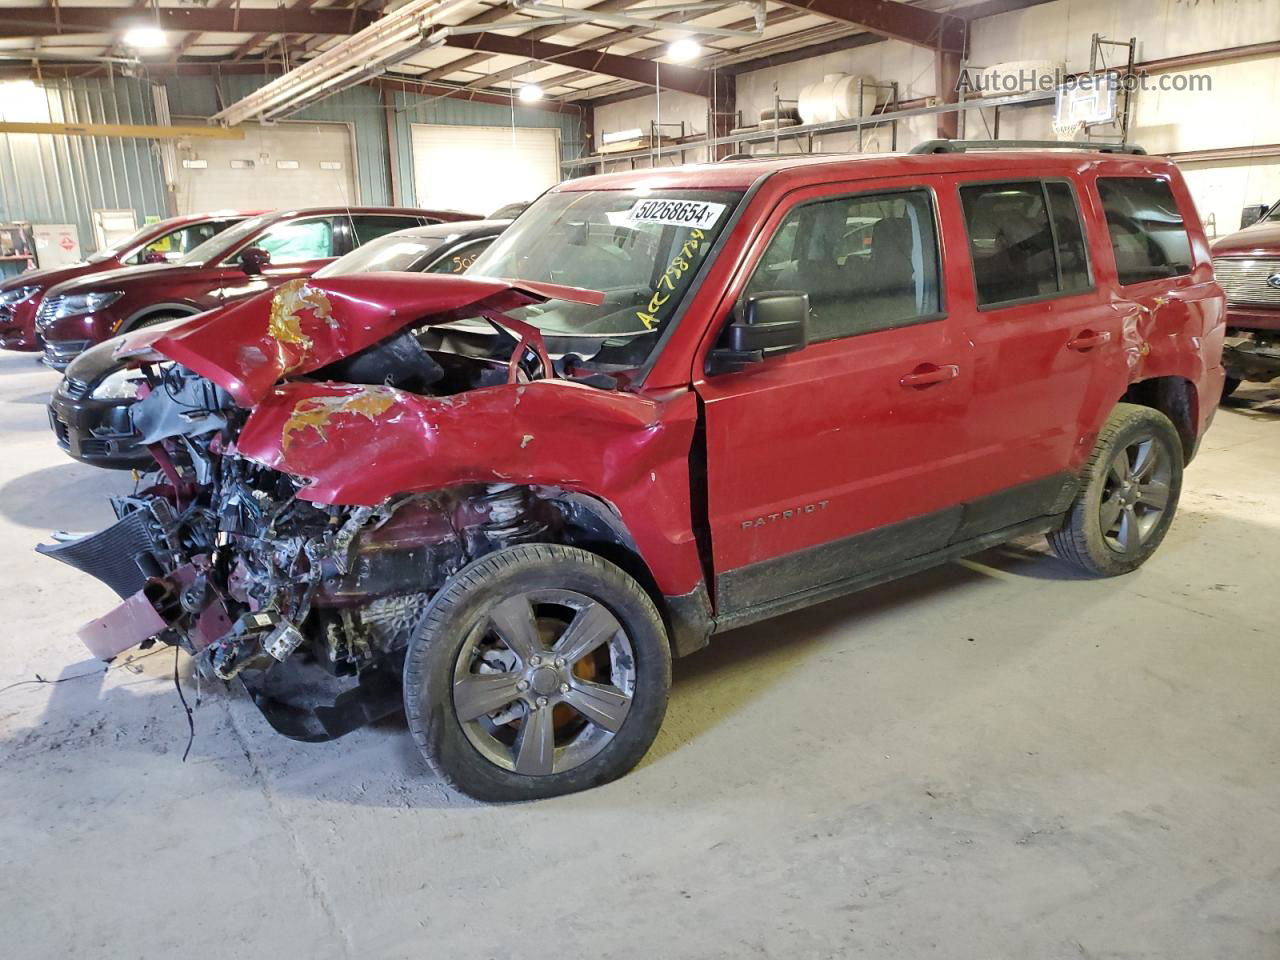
<point x="99" y="360"/>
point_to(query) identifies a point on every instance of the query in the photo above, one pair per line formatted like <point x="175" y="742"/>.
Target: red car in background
<point x="256" y="254"/>
<point x="163" y="242"/>
<point x="1247" y="264"/>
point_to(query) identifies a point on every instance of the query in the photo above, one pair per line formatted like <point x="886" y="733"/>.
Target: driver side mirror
<point x="253" y="260"/>
<point x="764" y="325"/>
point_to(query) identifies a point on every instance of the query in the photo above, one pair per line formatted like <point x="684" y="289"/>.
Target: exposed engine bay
<point x="311" y="605"/>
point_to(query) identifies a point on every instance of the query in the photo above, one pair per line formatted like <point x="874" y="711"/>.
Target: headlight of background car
<point x="16" y="295"/>
<point x="80" y="303"/>
<point x="120" y="385"/>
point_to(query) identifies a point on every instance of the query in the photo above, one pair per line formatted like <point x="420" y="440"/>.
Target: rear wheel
<point x="538" y="670"/>
<point x="1128" y="495"/>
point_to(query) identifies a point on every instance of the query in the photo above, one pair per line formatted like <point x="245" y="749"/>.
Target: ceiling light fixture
<point x="146" y="38"/>
<point x="684" y="50"/>
<point x="530" y="92"/>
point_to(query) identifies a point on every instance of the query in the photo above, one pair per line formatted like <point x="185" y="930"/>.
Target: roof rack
<point x="961" y="146"/>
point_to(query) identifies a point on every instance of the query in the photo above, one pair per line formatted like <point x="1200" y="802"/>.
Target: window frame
<point x="1058" y="294"/>
<point x="1192" y="262"/>
<point x="931" y="197"/>
<point x="356" y="242"/>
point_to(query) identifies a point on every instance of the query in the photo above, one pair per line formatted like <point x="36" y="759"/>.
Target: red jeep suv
<point x="163" y="242"/>
<point x="256" y="255"/>
<point x="662" y="405"/>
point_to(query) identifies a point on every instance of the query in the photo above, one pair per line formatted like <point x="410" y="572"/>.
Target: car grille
<point x="1246" y="280"/>
<point x="59" y="353"/>
<point x="44" y="312"/>
<point x="73" y="388"/>
<point x="60" y="430"/>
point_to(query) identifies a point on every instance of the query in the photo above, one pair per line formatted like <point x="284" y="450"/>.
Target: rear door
<point x="850" y="455"/>
<point x="1047" y="344"/>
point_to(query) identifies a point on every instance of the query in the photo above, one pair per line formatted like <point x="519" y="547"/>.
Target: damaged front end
<point x="232" y="557"/>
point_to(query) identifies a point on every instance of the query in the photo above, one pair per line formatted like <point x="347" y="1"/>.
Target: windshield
<point x="116" y="249"/>
<point x="640" y="248"/>
<point x="220" y="243"/>
<point x="393" y="253"/>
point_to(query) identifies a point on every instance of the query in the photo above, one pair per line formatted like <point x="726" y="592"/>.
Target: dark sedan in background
<point x="255" y="255"/>
<point x="89" y="411"/>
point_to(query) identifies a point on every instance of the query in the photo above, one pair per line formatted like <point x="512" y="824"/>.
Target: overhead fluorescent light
<point x="146" y="38"/>
<point x="684" y="50"/>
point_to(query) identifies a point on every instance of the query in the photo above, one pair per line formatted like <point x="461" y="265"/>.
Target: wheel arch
<point x="1178" y="399"/>
<point x="594" y="525"/>
<point x="177" y="309"/>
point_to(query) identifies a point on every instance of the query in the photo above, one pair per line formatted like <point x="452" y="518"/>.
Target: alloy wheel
<point x="544" y="681"/>
<point x="1135" y="494"/>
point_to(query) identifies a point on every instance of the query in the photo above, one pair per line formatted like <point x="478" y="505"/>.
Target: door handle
<point x="1088" y="339"/>
<point x="927" y="374"/>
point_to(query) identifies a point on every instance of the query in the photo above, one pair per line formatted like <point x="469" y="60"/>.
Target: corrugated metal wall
<point x="57" y="179"/>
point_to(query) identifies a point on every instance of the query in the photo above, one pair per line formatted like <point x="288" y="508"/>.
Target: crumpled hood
<point x="1261" y="237"/>
<point x="307" y="324"/>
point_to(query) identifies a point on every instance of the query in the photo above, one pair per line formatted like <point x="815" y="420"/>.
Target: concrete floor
<point x="994" y="759"/>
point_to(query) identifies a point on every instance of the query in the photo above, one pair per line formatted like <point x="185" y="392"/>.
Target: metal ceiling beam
<point x="673" y="76"/>
<point x="773" y="18"/>
<point x="539" y="33"/>
<point x="896" y="21"/>
<point x="51" y="21"/>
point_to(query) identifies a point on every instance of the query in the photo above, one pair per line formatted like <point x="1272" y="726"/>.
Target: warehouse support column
<point x="947" y="74"/>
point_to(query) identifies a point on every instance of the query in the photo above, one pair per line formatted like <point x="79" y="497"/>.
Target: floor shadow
<point x="38" y="398"/>
<point x="71" y="496"/>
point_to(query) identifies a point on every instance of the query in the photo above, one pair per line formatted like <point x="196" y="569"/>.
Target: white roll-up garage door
<point x="276" y="167"/>
<point x="478" y="169"/>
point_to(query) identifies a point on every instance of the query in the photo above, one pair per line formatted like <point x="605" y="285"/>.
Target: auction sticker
<point x="676" y="213"/>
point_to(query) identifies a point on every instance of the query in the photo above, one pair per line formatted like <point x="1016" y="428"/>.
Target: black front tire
<point x="1093" y="536"/>
<point x="463" y="607"/>
<point x="155" y="318"/>
<point x="1229" y="386"/>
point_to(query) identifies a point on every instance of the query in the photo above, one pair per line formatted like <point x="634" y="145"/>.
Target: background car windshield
<point x="215" y="246"/>
<point x="116" y="249"/>
<point x="393" y="253"/>
<point x="640" y="248"/>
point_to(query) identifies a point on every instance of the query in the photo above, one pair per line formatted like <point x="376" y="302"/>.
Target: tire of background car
<point x="152" y="320"/>
<point x="506" y="704"/>
<point x="1229" y="386"/>
<point x="1128" y="494"/>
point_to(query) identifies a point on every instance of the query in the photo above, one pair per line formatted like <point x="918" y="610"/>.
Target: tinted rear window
<point x="1147" y="233"/>
<point x="1026" y="240"/>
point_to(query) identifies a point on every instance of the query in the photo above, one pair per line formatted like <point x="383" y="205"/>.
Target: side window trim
<point x="931" y="198"/>
<point x="1058" y="294"/>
